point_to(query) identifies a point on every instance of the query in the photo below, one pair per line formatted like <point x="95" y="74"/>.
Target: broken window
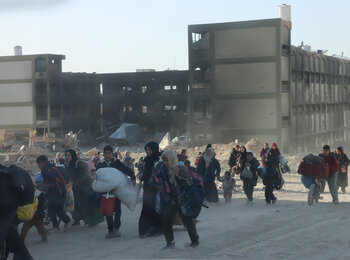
<point x="144" y="89"/>
<point x="130" y="109"/>
<point x="124" y="109"/>
<point x="144" y="109"/>
<point x="168" y="108"/>
<point x="40" y="65"/>
<point x="196" y="37"/>
<point x="174" y="107"/>
<point x="174" y="87"/>
<point x="129" y="89"/>
<point x="167" y="87"/>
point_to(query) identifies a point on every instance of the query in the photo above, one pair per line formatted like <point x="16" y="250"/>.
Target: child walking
<point x="228" y="184"/>
<point x="38" y="218"/>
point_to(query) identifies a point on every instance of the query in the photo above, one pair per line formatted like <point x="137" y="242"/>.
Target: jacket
<point x="52" y="183"/>
<point x="115" y="163"/>
<point x="332" y="162"/>
<point x="254" y="164"/>
<point x="211" y="172"/>
<point x="233" y="158"/>
<point x="274" y="160"/>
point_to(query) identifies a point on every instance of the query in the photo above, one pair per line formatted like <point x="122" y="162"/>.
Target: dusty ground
<point x="289" y="229"/>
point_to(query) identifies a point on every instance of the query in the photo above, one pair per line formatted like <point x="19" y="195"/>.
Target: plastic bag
<point x="247" y="173"/>
<point x="69" y="203"/>
<point x="27" y="212"/>
<point x="283" y="160"/>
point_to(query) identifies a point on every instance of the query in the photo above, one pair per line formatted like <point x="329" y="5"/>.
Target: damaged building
<point x="245" y="80"/>
<point x="253" y="83"/>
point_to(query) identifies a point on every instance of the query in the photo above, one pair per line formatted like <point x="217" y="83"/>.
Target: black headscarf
<point x="150" y="160"/>
<point x="72" y="163"/>
<point x="340" y="149"/>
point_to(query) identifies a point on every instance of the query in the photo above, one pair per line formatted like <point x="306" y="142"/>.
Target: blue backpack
<point x="193" y="199"/>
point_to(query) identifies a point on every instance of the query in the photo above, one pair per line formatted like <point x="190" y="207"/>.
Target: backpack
<point x="22" y="184"/>
<point x="193" y="199"/>
<point x="27" y="212"/>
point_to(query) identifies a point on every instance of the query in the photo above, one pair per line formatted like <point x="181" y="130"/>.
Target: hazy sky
<point x="119" y="36"/>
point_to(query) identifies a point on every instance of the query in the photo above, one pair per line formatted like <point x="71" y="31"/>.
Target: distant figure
<point x="129" y="161"/>
<point x="58" y="157"/>
<point x="198" y="157"/>
<point x="343" y="161"/>
<point x="228" y="185"/>
<point x="268" y="182"/>
<point x="263" y="152"/>
<point x="96" y="159"/>
<point x="139" y="166"/>
<point x="249" y="183"/>
<point x="232" y="162"/>
<point x="118" y="155"/>
<point x="182" y="157"/>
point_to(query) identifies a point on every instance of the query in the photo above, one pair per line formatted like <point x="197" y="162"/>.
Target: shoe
<point x="68" y="225"/>
<point x="194" y="244"/>
<point x="268" y="202"/>
<point x="274" y="201"/>
<point x="169" y="245"/>
<point x="335" y="201"/>
<point x="110" y="234"/>
<point x="249" y="203"/>
<point x="76" y="224"/>
<point x="117" y="233"/>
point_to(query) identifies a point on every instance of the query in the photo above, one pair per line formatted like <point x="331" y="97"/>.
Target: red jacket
<point x="332" y="163"/>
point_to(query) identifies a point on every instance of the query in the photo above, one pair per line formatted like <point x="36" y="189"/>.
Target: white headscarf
<point x="207" y="158"/>
<point x="173" y="164"/>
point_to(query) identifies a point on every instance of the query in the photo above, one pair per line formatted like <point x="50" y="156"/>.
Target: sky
<point x="122" y="36"/>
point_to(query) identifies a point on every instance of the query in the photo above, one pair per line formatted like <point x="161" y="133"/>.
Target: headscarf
<point x="208" y="158"/>
<point x="173" y="164"/>
<point x="340" y="149"/>
<point x="275" y="152"/>
<point x="72" y="163"/>
<point x="155" y="151"/>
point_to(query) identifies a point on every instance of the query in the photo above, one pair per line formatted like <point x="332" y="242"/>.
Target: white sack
<point x="111" y="179"/>
<point x="107" y="179"/>
<point x="283" y="160"/>
<point x="127" y="193"/>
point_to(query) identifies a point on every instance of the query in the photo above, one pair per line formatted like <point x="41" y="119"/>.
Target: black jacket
<point x="233" y="158"/>
<point x="115" y="163"/>
<point x="271" y="158"/>
<point x="254" y="164"/>
<point x="211" y="172"/>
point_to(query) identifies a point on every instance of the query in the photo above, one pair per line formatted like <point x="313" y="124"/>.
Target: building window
<point x="174" y="107"/>
<point x="101" y="89"/>
<point x="144" y="109"/>
<point x="167" y="87"/>
<point x="168" y="108"/>
<point x="174" y="87"/>
<point x="124" y="109"/>
<point x="40" y="65"/>
<point x="144" y="89"/>
<point x="130" y="109"/>
<point x="129" y="89"/>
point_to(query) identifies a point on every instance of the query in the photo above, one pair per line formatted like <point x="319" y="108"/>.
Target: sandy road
<point x="288" y="230"/>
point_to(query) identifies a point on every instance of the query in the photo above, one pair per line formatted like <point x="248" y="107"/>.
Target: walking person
<point x="330" y="159"/>
<point x="129" y="161"/>
<point x="114" y="222"/>
<point x="55" y="191"/>
<point x="228" y="183"/>
<point x="171" y="180"/>
<point x="209" y="169"/>
<point x="343" y="161"/>
<point x="232" y="162"/>
<point x="82" y="185"/>
<point x="150" y="220"/>
<point x="250" y="183"/>
<point x="38" y="218"/>
<point x="268" y="182"/>
<point x="263" y="152"/>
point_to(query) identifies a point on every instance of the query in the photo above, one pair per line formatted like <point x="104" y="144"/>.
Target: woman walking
<point x="343" y="162"/>
<point x="82" y="182"/>
<point x="171" y="180"/>
<point x="150" y="221"/>
<point x="209" y="169"/>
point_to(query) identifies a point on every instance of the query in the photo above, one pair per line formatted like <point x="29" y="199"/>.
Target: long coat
<point x="81" y="188"/>
<point x="208" y="175"/>
<point x="343" y="161"/>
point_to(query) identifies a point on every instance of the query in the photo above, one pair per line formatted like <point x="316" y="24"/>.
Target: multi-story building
<point x="254" y="83"/>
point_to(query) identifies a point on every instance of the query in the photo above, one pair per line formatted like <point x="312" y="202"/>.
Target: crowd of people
<point x="165" y="176"/>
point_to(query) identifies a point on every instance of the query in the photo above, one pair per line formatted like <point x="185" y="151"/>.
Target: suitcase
<point x="316" y="170"/>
